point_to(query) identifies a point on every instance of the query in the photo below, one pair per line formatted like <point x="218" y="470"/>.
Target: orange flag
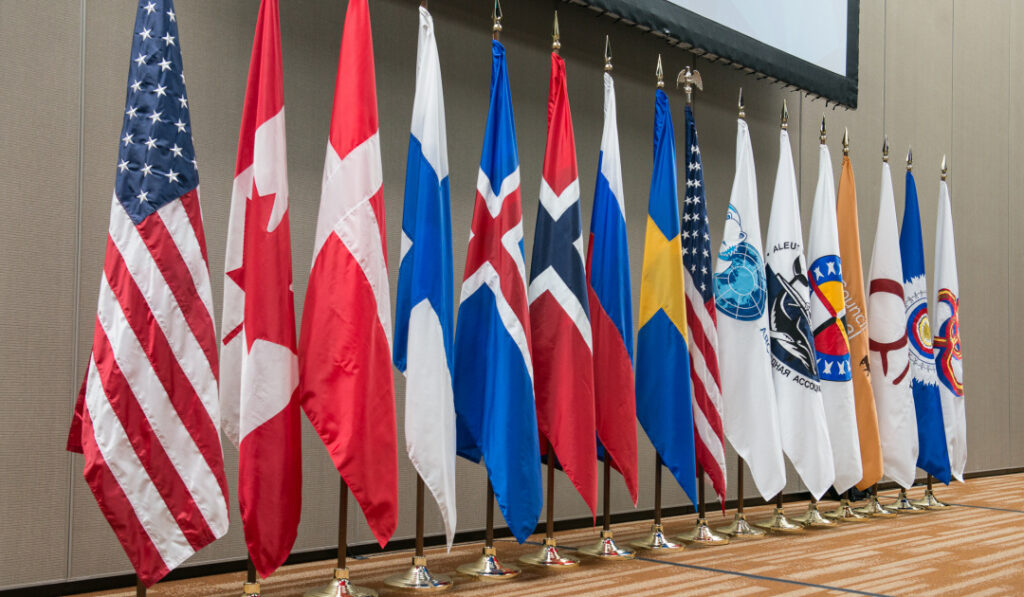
<point x="857" y="327"/>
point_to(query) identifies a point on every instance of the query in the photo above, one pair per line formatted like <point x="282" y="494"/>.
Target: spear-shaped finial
<point x="910" y="159"/>
<point x="556" y="41"/>
<point x="689" y="79"/>
<point x="822" y="135"/>
<point x="846" y="141"/>
<point x="607" y="54"/>
<point x="496" y="20"/>
<point x="885" y="150"/>
<point x="785" y="115"/>
<point x="660" y="72"/>
<point x="740" y="106"/>
<point x="944" y="170"/>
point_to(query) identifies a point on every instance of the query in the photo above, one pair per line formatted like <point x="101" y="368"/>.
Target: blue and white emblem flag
<point x="425" y="322"/>
<point x="794" y="366"/>
<point x="828" y="323"/>
<point x="946" y="340"/>
<point x="741" y="296"/>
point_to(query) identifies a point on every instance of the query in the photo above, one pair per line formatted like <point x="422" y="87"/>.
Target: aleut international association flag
<point x="611" y="305"/>
<point x="741" y="296"/>
<point x="259" y="363"/>
<point x="663" y="403"/>
<point x="946" y="342"/>
<point x="933" y="454"/>
<point x="345" y="345"/>
<point x="147" y="418"/>
<point x="802" y="421"/>
<point x="425" y="320"/>
<point x="828" y="323"/>
<point x="857" y="327"/>
<point x="496" y="418"/>
<point x="559" y="311"/>
<point x="890" y="358"/>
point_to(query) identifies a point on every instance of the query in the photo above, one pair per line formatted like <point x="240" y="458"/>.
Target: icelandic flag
<point x="425" y="319"/>
<point x="611" y="305"/>
<point x="663" y="401"/>
<point x="496" y="416"/>
<point x="946" y="342"/>
<point x="932" y="456"/>
<point x="559" y="311"/>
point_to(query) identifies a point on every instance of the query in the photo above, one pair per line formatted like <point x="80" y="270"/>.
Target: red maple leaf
<point x="266" y="275"/>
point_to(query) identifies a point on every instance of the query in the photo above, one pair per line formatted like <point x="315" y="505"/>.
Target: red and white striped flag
<point x="259" y="367"/>
<point x="147" y="415"/>
<point x="345" y="350"/>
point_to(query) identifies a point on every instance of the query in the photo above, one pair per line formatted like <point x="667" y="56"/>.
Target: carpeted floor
<point x="972" y="548"/>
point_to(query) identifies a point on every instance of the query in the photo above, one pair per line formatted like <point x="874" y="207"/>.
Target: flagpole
<point x="140" y="589"/>
<point x="487" y="566"/>
<point x="656" y="540"/>
<point x="605" y="548"/>
<point x="340" y="584"/>
<point x="739" y="528"/>
<point x="251" y="588"/>
<point x="929" y="501"/>
<point x="548" y="555"/>
<point x="418" y="577"/>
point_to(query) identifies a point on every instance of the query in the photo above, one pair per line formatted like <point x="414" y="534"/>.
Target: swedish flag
<point x="662" y="359"/>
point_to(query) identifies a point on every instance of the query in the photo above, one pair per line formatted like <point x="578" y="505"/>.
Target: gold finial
<point x="846" y="141"/>
<point x="423" y="3"/>
<point x="910" y="159"/>
<point x="822" y="135"/>
<point x="607" y="54"/>
<point x="496" y="20"/>
<point x="660" y="73"/>
<point x="944" y="170"/>
<point x="689" y="79"/>
<point x="785" y="115"/>
<point x="556" y="42"/>
<point x="885" y="150"/>
<point x="740" y="106"/>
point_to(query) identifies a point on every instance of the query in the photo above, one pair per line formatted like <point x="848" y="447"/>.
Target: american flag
<point x="147" y="417"/>
<point x="700" y="317"/>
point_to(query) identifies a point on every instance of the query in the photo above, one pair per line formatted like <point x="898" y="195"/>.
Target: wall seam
<point x="1009" y="229"/>
<point x="77" y="294"/>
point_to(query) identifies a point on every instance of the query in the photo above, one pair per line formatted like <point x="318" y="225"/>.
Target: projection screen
<point x="810" y="44"/>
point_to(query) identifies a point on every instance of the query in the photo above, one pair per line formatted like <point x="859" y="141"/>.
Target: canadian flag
<point x="345" y="354"/>
<point x="258" y="367"/>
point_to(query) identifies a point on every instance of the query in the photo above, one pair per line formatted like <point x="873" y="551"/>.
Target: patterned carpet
<point x="974" y="547"/>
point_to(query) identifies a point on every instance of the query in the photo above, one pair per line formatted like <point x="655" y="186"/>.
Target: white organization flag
<point x="751" y="416"/>
<point x="794" y="369"/>
<point x="946" y="343"/>
<point x="890" y="359"/>
<point x="828" y="322"/>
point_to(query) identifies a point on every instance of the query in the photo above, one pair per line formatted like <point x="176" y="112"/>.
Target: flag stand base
<point x="340" y="586"/>
<point x="778" y="523"/>
<point x="656" y="541"/>
<point x="702" y="535"/>
<point x="606" y="549"/>
<point x="929" y="501"/>
<point x="813" y="518"/>
<point x="902" y="505"/>
<point x="845" y="513"/>
<point x="740" y="530"/>
<point x="874" y="509"/>
<point x="251" y="589"/>
<point x="548" y="557"/>
<point x="488" y="568"/>
<point x="418" y="578"/>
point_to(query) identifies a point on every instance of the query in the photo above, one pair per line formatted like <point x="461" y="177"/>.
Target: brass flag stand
<point x="740" y="529"/>
<point x="605" y="548"/>
<point x="873" y="507"/>
<point x="340" y="584"/>
<point x="548" y="555"/>
<point x="813" y="517"/>
<point x="845" y="512"/>
<point x="656" y="540"/>
<point x="777" y="522"/>
<point x="929" y="500"/>
<point x="418" y="578"/>
<point x="903" y="505"/>
<point x="487" y="567"/>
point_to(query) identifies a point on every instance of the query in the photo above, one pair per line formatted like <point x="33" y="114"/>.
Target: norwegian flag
<point x="259" y="367"/>
<point x="559" y="311"/>
<point x="345" y="350"/>
<point x="700" y="315"/>
<point x="147" y="418"/>
<point x="496" y="418"/>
